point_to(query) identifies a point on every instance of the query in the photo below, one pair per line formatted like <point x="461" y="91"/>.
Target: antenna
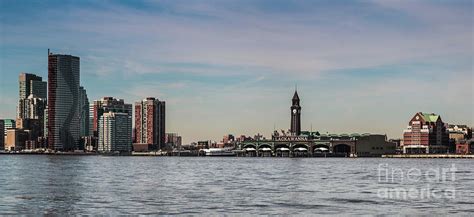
<point x="48" y="51"/>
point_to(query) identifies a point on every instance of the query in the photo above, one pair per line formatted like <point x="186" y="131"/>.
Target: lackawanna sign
<point x="290" y="138"/>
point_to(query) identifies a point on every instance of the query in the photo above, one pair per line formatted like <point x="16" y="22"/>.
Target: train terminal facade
<point x="297" y="143"/>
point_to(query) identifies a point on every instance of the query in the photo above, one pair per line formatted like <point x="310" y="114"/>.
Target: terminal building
<point x="297" y="143"/>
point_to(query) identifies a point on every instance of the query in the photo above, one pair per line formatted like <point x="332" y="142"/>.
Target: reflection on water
<point x="167" y="185"/>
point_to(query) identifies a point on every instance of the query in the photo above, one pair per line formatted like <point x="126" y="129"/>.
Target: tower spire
<point x="295" y="126"/>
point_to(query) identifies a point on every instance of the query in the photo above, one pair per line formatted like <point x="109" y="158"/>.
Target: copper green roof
<point x="430" y="117"/>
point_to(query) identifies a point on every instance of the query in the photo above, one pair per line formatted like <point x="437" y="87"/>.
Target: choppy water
<point x="202" y="186"/>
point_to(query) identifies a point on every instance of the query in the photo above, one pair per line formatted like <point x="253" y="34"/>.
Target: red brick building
<point x="425" y="133"/>
<point x="150" y="122"/>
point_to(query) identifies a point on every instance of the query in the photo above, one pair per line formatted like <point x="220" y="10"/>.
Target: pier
<point x="470" y="156"/>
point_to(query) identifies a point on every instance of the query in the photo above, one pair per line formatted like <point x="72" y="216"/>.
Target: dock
<point x="468" y="156"/>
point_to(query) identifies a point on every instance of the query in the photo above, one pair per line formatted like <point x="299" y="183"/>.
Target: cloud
<point x="303" y="43"/>
<point x="231" y="66"/>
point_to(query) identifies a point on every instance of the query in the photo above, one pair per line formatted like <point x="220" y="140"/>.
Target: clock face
<point x="294" y="111"/>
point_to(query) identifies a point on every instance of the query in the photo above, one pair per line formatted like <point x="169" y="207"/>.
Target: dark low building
<point x="374" y="146"/>
<point x="16" y="139"/>
<point x="140" y="147"/>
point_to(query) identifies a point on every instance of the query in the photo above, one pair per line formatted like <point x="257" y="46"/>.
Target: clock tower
<point x="295" y="127"/>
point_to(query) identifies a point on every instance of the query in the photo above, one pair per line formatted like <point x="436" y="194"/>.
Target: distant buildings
<point x="32" y="108"/>
<point x="173" y="140"/>
<point x="2" y="137"/>
<point x="31" y="84"/>
<point x="9" y="124"/>
<point x="32" y="96"/>
<point x="115" y="132"/>
<point x="16" y="139"/>
<point x="108" y="105"/>
<point x="150" y="122"/>
<point x="84" y="112"/>
<point x="30" y="111"/>
<point x="105" y="105"/>
<point x="227" y="139"/>
<point x="459" y="132"/>
<point x="63" y="102"/>
<point x="465" y="147"/>
<point x="425" y="133"/>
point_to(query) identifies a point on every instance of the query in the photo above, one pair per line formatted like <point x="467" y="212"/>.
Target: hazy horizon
<point x="230" y="67"/>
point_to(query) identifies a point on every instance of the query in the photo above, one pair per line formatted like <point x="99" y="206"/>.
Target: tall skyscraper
<point x="84" y="111"/>
<point x="63" y="102"/>
<point x="150" y="122"/>
<point x="295" y="127"/>
<point x="115" y="132"/>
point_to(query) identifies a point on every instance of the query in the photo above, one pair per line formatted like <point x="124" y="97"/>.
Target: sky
<point x="230" y="67"/>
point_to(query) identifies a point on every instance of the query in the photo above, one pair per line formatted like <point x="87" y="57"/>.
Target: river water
<point x="68" y="185"/>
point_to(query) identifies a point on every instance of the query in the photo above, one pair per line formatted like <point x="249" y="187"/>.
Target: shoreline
<point x="430" y="156"/>
<point x="152" y="154"/>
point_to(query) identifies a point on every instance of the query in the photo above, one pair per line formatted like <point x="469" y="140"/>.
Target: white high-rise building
<point x="115" y="132"/>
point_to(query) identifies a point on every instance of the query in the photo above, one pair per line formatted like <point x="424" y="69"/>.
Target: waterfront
<point x="42" y="184"/>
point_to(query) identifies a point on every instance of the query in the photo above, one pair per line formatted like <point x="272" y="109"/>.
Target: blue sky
<point x="231" y="66"/>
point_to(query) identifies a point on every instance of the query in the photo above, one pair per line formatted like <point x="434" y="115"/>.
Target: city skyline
<point x="237" y="75"/>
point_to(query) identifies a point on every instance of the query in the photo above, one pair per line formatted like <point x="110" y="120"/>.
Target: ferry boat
<point x="218" y="152"/>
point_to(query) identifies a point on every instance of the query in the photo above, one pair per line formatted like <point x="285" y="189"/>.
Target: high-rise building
<point x="32" y="117"/>
<point x="30" y="86"/>
<point x="150" y="122"/>
<point x="425" y="133"/>
<point x="295" y="127"/>
<point x="105" y="105"/>
<point x="63" y="102"/>
<point x="32" y="107"/>
<point x="84" y="111"/>
<point x="115" y="132"/>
